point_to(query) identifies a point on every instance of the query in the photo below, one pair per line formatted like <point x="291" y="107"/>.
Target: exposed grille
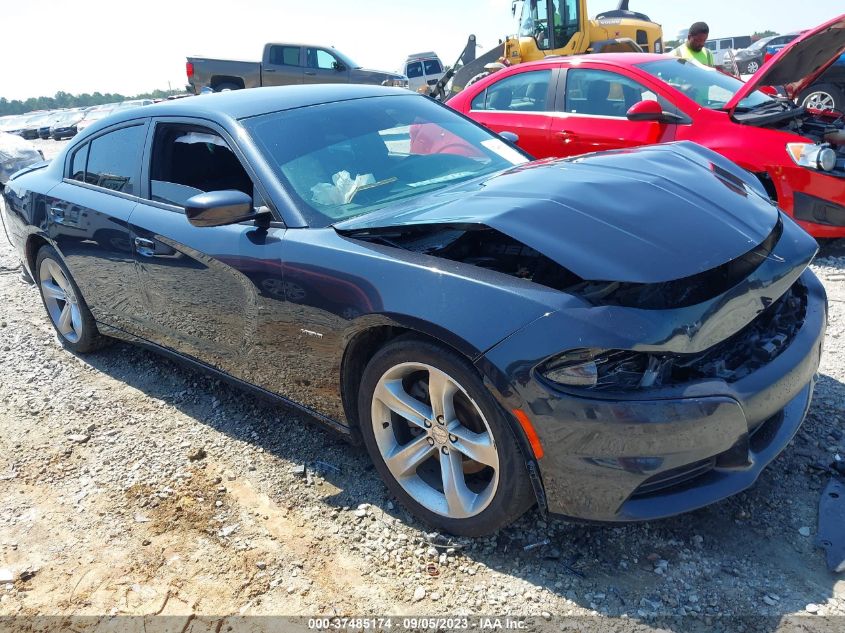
<point x="759" y="343"/>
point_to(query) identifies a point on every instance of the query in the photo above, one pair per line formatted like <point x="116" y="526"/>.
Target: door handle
<point x="269" y="70"/>
<point x="310" y="72"/>
<point x="145" y="247"/>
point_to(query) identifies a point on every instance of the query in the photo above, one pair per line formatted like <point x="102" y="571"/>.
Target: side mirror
<point x="219" y="208"/>
<point x="652" y="111"/>
<point x="339" y="66"/>
<point x="510" y="137"/>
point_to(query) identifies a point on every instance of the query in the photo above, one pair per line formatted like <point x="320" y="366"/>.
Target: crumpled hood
<point x="647" y="215"/>
<point x="800" y="62"/>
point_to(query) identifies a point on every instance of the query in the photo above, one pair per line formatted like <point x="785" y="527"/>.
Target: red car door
<point x="520" y="103"/>
<point x="593" y="115"/>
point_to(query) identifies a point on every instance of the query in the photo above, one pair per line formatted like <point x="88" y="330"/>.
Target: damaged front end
<point x="683" y="329"/>
<point x="655" y="399"/>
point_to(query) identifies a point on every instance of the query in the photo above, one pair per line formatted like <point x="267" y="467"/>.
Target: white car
<point x="15" y="154"/>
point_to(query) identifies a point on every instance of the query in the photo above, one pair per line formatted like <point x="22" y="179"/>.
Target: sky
<point x="131" y="47"/>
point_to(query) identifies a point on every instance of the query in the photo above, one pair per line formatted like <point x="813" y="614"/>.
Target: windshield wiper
<point x="759" y="106"/>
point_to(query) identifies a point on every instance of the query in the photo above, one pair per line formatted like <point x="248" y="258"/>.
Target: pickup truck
<point x="284" y="65"/>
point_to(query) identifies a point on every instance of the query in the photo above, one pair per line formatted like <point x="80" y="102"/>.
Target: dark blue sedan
<point x="619" y="336"/>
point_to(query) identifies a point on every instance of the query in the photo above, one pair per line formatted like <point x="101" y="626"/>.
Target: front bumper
<point x="634" y="460"/>
<point x="678" y="447"/>
<point x="816" y="200"/>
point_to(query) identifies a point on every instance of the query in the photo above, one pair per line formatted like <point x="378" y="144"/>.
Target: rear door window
<point x="284" y="55"/>
<point x="523" y="92"/>
<point x="114" y="159"/>
<point x="77" y="167"/>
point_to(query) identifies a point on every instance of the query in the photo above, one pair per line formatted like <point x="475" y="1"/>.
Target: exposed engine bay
<point x="827" y="153"/>
<point x="758" y="343"/>
<point x="484" y="247"/>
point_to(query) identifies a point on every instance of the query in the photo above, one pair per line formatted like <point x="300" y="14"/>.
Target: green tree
<point x="64" y="99"/>
<point x="761" y="34"/>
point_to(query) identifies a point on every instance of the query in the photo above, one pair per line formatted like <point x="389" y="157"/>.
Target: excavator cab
<point x="562" y="27"/>
<point x="550" y="23"/>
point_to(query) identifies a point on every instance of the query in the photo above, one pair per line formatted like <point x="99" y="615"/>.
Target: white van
<point x="423" y="69"/>
<point x="721" y="46"/>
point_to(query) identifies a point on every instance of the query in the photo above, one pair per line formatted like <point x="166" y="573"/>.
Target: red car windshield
<point x="706" y="86"/>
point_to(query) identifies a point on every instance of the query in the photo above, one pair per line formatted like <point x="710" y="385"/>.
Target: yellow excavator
<point x="560" y="27"/>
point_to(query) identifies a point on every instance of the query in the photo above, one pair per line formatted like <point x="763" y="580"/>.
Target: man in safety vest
<point x="694" y="49"/>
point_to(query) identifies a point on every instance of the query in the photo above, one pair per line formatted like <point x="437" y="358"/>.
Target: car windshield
<point x="349" y="158"/>
<point x="706" y="86"/>
<point x="760" y="44"/>
<point x="346" y="59"/>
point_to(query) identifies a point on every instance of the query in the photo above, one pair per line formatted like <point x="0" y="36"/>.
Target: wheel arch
<point x="217" y="80"/>
<point x="365" y="343"/>
<point x="34" y="243"/>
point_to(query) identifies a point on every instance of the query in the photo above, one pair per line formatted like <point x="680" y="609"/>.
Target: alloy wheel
<point x="820" y="101"/>
<point x="753" y="67"/>
<point x="434" y="440"/>
<point x="60" y="300"/>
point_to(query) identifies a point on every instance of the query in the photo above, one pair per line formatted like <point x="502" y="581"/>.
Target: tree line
<point x="66" y="100"/>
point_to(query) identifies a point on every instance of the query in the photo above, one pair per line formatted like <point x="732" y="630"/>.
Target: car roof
<point x="614" y="59"/>
<point x="241" y="104"/>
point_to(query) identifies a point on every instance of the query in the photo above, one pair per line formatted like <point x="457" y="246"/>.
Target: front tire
<point x="440" y="440"/>
<point x="752" y="67"/>
<point x="68" y="312"/>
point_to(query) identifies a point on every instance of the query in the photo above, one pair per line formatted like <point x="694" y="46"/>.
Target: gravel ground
<point x="132" y="485"/>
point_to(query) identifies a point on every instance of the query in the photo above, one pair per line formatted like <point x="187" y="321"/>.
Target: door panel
<point x="320" y="69"/>
<point x="201" y="285"/>
<point x="284" y="66"/>
<point x="576" y="134"/>
<point x="519" y="103"/>
<point x="91" y="230"/>
<point x="88" y="218"/>
<point x="594" y="115"/>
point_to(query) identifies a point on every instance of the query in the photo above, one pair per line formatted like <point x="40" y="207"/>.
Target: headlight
<point x="813" y="156"/>
<point x="599" y="369"/>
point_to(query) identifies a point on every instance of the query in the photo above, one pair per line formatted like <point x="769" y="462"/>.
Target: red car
<point x="564" y="106"/>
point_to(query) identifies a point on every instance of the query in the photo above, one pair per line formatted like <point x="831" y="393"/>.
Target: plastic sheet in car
<point x="15" y="154"/>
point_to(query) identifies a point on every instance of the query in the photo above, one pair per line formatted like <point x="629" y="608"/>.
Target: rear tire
<point x="422" y="452"/>
<point x="823" y="97"/>
<point x="68" y="312"/>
